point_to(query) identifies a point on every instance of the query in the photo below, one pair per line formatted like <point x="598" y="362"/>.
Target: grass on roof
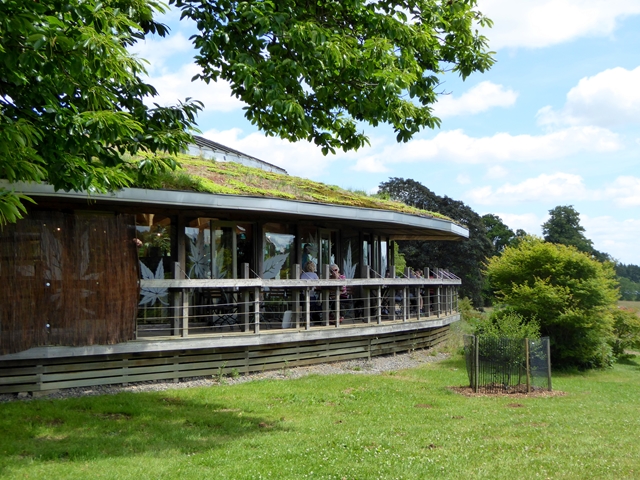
<point x="210" y="176"/>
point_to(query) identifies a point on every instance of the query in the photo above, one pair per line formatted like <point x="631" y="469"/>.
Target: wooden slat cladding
<point x="67" y="280"/>
<point x="36" y="375"/>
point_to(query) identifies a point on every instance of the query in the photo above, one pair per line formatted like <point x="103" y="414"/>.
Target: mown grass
<point x="404" y="424"/>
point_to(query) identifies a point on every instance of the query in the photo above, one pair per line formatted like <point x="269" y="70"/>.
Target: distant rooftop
<point x="210" y="150"/>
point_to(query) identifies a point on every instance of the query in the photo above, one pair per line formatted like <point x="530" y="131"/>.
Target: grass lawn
<point x="404" y="424"/>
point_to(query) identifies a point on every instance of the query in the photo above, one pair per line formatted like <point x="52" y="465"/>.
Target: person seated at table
<point x="315" y="304"/>
<point x="334" y="274"/>
<point x="309" y="272"/>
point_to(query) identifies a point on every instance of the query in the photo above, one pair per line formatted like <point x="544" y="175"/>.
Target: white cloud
<point x="455" y="146"/>
<point x="556" y="187"/>
<point x="497" y="171"/>
<point x="369" y="164"/>
<point x="542" y="23"/>
<point x="529" y="222"/>
<point x="175" y="86"/>
<point x="463" y="179"/>
<point x="619" y="238"/>
<point x="478" y="99"/>
<point x="624" y="191"/>
<point x="611" y="97"/>
<point x="302" y="159"/>
<point x="157" y="51"/>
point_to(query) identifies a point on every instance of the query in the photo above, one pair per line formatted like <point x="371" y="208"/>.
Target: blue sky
<point x="554" y="122"/>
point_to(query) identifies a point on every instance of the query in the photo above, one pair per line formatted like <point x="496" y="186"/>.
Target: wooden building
<point x="144" y="284"/>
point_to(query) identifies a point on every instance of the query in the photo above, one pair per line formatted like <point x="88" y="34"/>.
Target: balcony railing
<point x="253" y="305"/>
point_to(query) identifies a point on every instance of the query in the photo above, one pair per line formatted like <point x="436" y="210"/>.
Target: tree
<point x="312" y="70"/>
<point x="564" y="227"/>
<point x="499" y="234"/>
<point x="626" y="327"/>
<point x="629" y="278"/>
<point x="570" y="295"/>
<point x="629" y="290"/>
<point x="465" y="258"/>
<point x="71" y="97"/>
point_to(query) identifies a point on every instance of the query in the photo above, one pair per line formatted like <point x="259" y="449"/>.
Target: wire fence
<point x="506" y="365"/>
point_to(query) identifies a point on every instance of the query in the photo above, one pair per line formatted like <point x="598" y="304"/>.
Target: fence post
<point x="549" y="363"/>
<point x="245" y="299"/>
<point x="476" y="354"/>
<point x="256" y="309"/>
<point x="526" y="353"/>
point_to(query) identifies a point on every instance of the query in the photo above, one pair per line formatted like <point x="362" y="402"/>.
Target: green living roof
<point x="210" y="176"/>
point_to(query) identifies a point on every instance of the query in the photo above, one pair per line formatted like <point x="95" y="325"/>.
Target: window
<point x="278" y="251"/>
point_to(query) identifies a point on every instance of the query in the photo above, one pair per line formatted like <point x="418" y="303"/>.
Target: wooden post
<point x="367" y="305"/>
<point x="307" y="308"/>
<point x="379" y="305"/>
<point x="549" y="363"/>
<point x="476" y="354"/>
<point x="296" y="297"/>
<point x="175" y="302"/>
<point x="245" y="298"/>
<point x="256" y="309"/>
<point x="526" y="353"/>
<point x="337" y="306"/>
<point x="405" y="304"/>
<point x="185" y="313"/>
<point x="325" y="306"/>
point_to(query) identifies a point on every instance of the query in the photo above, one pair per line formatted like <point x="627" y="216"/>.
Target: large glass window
<point x="327" y="249"/>
<point x="366" y="251"/>
<point x="350" y="256"/>
<point x="156" y="241"/>
<point x="244" y="247"/>
<point x="375" y="256"/>
<point x="384" y="256"/>
<point x="217" y="249"/>
<point x="278" y="251"/>
<point x="222" y="258"/>
<point x="198" y="233"/>
<point x="310" y="246"/>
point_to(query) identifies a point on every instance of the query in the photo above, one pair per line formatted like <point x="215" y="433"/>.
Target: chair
<point x="224" y="309"/>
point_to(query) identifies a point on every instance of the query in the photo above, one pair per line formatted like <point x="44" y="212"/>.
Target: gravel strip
<point x="360" y="366"/>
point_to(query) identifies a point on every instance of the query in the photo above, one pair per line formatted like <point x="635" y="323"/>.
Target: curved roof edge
<point x="175" y="198"/>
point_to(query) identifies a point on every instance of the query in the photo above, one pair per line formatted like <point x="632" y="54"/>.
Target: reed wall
<point x="67" y="280"/>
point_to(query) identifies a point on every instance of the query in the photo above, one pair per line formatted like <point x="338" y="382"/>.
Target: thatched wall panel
<point x="67" y="280"/>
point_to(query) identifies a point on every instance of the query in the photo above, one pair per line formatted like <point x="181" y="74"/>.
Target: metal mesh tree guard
<point x="506" y="365"/>
<point x="67" y="280"/>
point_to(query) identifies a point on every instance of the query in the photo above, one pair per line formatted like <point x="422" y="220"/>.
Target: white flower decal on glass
<point x="198" y="256"/>
<point x="349" y="268"/>
<point x="152" y="294"/>
<point x="273" y="265"/>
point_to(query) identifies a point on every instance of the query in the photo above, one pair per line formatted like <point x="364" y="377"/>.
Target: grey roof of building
<point x="205" y="143"/>
<point x="395" y="224"/>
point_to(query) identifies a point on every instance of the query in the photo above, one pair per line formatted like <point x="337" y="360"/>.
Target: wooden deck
<point x="45" y="369"/>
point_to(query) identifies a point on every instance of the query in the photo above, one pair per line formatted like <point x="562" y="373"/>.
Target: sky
<point x="554" y="122"/>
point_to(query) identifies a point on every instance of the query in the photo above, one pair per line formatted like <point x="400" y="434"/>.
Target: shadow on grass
<point x="156" y="423"/>
<point x="629" y="359"/>
<point x="454" y="361"/>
